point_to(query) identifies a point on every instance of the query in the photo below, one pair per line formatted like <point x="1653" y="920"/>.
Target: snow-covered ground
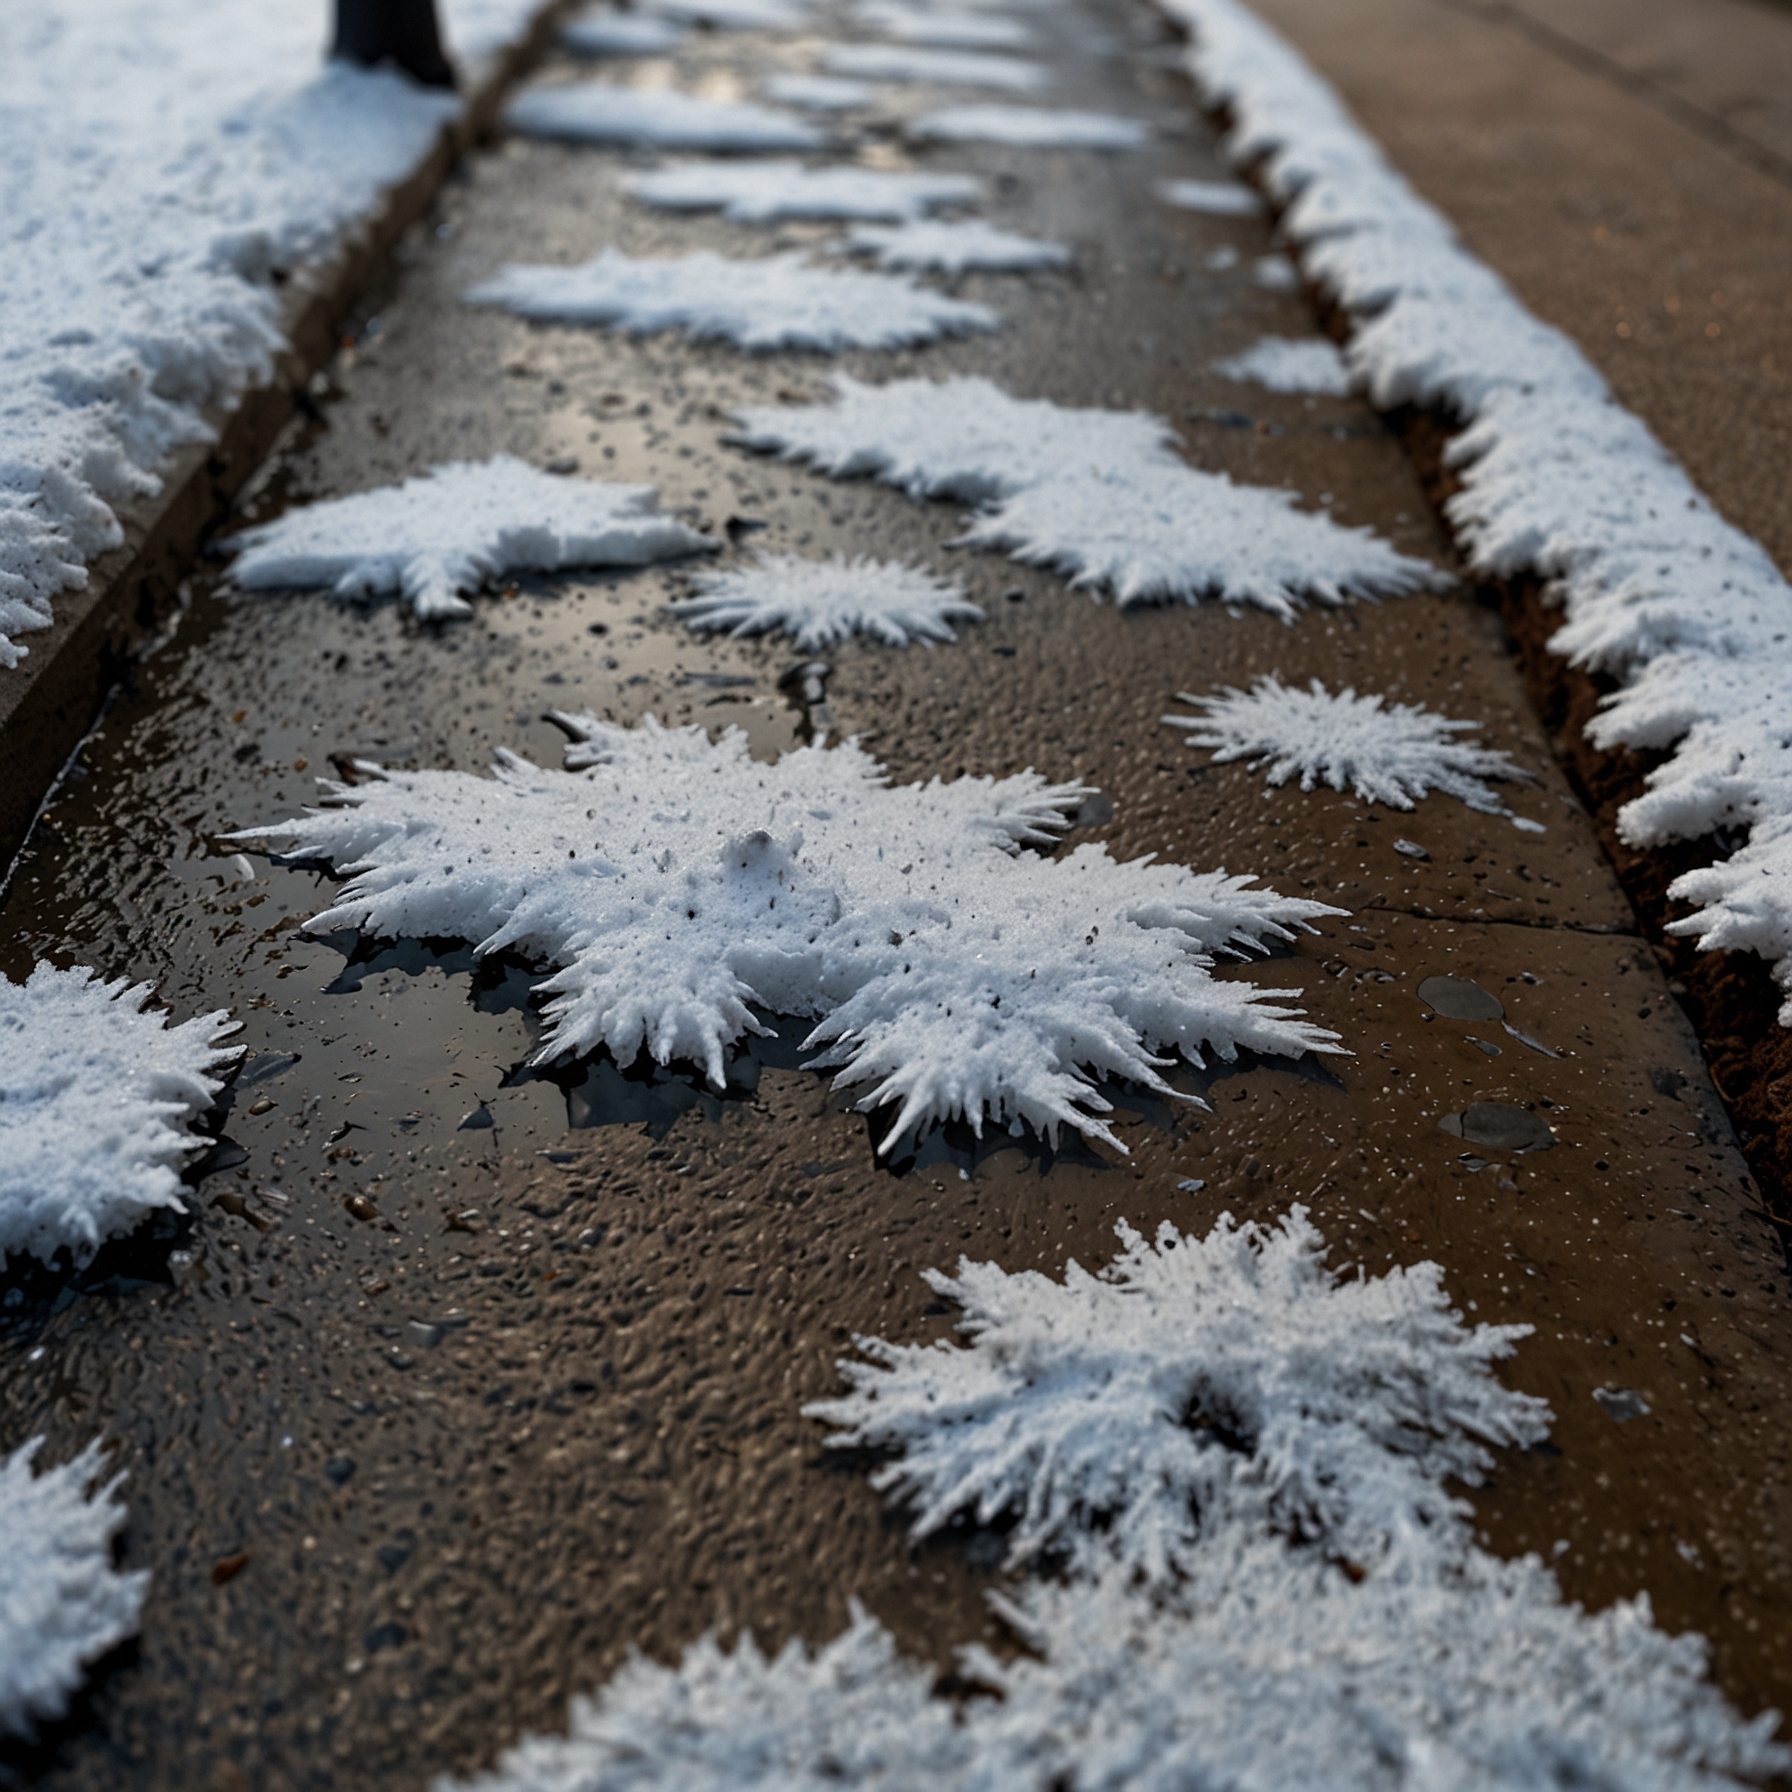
<point x="165" y="164"/>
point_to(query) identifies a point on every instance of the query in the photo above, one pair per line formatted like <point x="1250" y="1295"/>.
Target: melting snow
<point x="776" y="302"/>
<point x="438" y="538"/>
<point x="602" y="112"/>
<point x="1238" y="1464"/>
<point x="95" y="1098"/>
<point x="677" y="884"/>
<point x="764" y="192"/>
<point x="1100" y="495"/>
<point x="62" y="1604"/>
<point x="621" y="34"/>
<point x="1307" y="364"/>
<point x="945" y="30"/>
<point x="1217" y="198"/>
<point x="1394" y="754"/>
<point x="1030" y="127"/>
<point x="818" y="93"/>
<point x="1557" y="479"/>
<point x="954" y="68"/>
<point x="823" y="601"/>
<point x="957" y="246"/>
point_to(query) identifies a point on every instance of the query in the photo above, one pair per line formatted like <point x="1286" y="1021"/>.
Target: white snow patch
<point x="764" y="192"/>
<point x="945" y="30"/>
<point x="1275" y="273"/>
<point x="677" y="884"/>
<point x="160" y="163"/>
<point x="436" y="539"/>
<point x="777" y="302"/>
<point x="95" y="1098"/>
<point x="1101" y="496"/>
<point x="603" y="112"/>
<point x="817" y="93"/>
<point x="734" y="15"/>
<point x="1284" y="364"/>
<point x="954" y="246"/>
<point x="939" y="68"/>
<point x="62" y="1604"/>
<point x="820" y="602"/>
<point x="1237" y="1464"/>
<point x="1030" y="127"/>
<point x="608" y="33"/>
<point x="1217" y="198"/>
<point x="1385" y="753"/>
<point x="1558" y="479"/>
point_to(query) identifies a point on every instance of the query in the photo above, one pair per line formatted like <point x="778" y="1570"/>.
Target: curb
<point x="50" y="702"/>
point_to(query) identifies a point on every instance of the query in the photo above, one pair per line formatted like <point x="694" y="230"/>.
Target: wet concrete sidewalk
<point x="461" y="1382"/>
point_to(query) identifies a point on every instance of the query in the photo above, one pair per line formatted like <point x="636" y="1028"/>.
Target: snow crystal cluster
<point x="774" y="302"/>
<point x="940" y="68"/>
<point x="819" y="602"/>
<point x="95" y="1096"/>
<point x="1558" y="479"/>
<point x="954" y="246"/>
<point x="1385" y="753"/>
<point x="767" y="192"/>
<point x="1236" y="1465"/>
<point x="1284" y="364"/>
<point x="603" y="112"/>
<point x="676" y="884"/>
<point x="1030" y="127"/>
<point x="438" y="538"/>
<point x="1101" y="496"/>
<point x="62" y="1603"/>
<point x="944" y="29"/>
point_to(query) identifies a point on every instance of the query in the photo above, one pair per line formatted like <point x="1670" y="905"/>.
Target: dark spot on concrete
<point x="1456" y="998"/>
<point x="1499" y="1124"/>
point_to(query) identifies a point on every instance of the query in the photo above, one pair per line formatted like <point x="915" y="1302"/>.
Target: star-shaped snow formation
<point x="1285" y="364"/>
<point x="776" y="302"/>
<point x="765" y="192"/>
<point x="677" y="884"/>
<point x="944" y="68"/>
<point x="437" y="538"/>
<point x="955" y="246"/>
<point x="1101" y="496"/>
<point x="95" y="1096"/>
<point x="1030" y="127"/>
<point x="62" y="1604"/>
<point x="603" y="112"/>
<point x="820" y="602"/>
<point x="1394" y="754"/>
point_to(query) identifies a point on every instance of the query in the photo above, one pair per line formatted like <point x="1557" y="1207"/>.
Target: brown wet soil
<point x="438" y="1403"/>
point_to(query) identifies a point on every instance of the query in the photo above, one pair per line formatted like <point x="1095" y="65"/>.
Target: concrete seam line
<point x="1557" y="480"/>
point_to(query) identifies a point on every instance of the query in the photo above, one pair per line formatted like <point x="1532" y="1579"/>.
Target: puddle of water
<point x="1457" y="998"/>
<point x="1499" y="1124"/>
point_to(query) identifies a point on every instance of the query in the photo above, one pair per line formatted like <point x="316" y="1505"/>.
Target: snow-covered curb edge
<point x="48" y="703"/>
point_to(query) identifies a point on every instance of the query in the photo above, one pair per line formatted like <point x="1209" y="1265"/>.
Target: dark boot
<point x="399" y="31"/>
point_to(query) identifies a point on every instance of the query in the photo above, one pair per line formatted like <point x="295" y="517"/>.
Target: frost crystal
<point x="1309" y="364"/>
<point x="620" y="34"/>
<point x="1028" y="127"/>
<point x="947" y="68"/>
<point x="1100" y="495"/>
<point x="678" y="884"/>
<point x="1217" y="198"/>
<point x="95" y="1095"/>
<point x="764" y="192"/>
<point x="777" y="302"/>
<point x="62" y="1604"/>
<point x="818" y="93"/>
<point x="436" y="538"/>
<point x="601" y="112"/>
<point x="1393" y="755"/>
<point x="823" y="601"/>
<point x="955" y="247"/>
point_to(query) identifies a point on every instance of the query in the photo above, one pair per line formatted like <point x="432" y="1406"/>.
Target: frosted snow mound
<point x="602" y="112"/>
<point x="938" y="68"/>
<point x="95" y="1096"/>
<point x="1194" y="1388"/>
<point x="817" y="93"/>
<point x="621" y="34"/>
<point x="733" y="15"/>
<point x="1217" y="198"/>
<point x="1306" y="364"/>
<point x="777" y="302"/>
<point x="945" y="30"/>
<point x="676" y="884"/>
<point x="1394" y="755"/>
<point x="1557" y="478"/>
<point x="764" y="192"/>
<point x="1099" y="495"/>
<point x="437" y="538"/>
<point x="1030" y="127"/>
<point x="955" y="246"/>
<point x="62" y="1604"/>
<point x="820" y="602"/>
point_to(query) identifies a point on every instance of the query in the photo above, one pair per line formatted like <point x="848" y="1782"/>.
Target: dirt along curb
<point x="50" y="701"/>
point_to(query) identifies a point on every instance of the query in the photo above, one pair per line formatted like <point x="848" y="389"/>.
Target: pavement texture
<point x="429" y="1420"/>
